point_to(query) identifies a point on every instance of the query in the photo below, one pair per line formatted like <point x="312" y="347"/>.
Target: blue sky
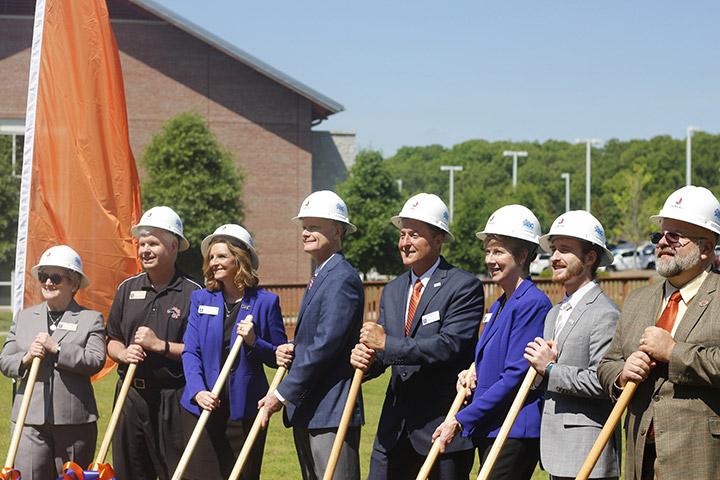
<point x="424" y="72"/>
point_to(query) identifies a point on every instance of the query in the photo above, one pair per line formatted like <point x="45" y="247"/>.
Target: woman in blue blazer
<point x="511" y="238"/>
<point x="218" y="315"/>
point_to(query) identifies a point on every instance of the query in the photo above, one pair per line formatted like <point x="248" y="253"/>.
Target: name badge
<point x="486" y="317"/>
<point x="208" y="310"/>
<point x="138" y="294"/>
<point x="431" y="317"/>
<point x="437" y="284"/>
<point x="70" y="327"/>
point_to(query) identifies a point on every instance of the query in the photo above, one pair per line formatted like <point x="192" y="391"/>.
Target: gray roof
<point x="325" y="106"/>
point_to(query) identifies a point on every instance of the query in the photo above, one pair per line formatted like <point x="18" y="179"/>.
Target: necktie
<point x="666" y="322"/>
<point x="563" y="316"/>
<point x="667" y="319"/>
<point x="414" y="299"/>
<point x="312" y="280"/>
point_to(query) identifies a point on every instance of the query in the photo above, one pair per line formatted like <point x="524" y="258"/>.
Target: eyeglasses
<point x="55" y="278"/>
<point x="672" y="238"/>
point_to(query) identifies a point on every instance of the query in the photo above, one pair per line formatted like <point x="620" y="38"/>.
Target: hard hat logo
<point x="427" y="208"/>
<point x="693" y="205"/>
<point x="325" y="204"/>
<point x="516" y="221"/>
<point x="581" y="225"/>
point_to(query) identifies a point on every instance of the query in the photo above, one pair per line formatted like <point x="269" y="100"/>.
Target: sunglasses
<point x="55" y="278"/>
<point x="672" y="238"/>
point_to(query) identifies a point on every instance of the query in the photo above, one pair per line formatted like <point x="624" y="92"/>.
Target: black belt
<point x="155" y="384"/>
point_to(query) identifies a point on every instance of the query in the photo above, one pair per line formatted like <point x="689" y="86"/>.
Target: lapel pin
<point x="704" y="302"/>
<point x="437" y="284"/>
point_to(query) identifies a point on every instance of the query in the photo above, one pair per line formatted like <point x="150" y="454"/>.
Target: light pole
<point x="589" y="142"/>
<point x="514" y="154"/>
<point x="566" y="176"/>
<point x="452" y="169"/>
<point x="688" y="154"/>
<point x="399" y="184"/>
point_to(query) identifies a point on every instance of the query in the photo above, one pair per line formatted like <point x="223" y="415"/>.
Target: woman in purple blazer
<point x="511" y="239"/>
<point x="218" y="315"/>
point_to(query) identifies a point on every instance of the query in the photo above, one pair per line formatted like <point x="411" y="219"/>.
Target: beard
<point x="675" y="265"/>
<point x="571" y="270"/>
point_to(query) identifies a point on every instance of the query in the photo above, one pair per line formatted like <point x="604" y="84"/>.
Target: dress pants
<point x="313" y="450"/>
<point x="148" y="440"/>
<point x="517" y="460"/>
<point x="43" y="449"/>
<point x="402" y="462"/>
<point x="219" y="445"/>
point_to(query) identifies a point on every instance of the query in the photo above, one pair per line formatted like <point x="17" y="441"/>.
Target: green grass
<point x="280" y="460"/>
<point x="5" y="321"/>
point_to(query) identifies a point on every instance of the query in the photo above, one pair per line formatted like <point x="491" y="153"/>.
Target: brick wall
<point x="265" y="125"/>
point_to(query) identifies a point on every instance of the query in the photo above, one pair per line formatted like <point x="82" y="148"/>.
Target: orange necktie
<point x="669" y="315"/>
<point x="417" y="289"/>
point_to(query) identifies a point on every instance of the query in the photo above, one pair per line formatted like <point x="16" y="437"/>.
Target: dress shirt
<point x="687" y="292"/>
<point x="568" y="304"/>
<point x="424" y="279"/>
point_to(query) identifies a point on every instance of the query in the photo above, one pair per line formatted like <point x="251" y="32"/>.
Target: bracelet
<point x="549" y="367"/>
<point x="167" y="348"/>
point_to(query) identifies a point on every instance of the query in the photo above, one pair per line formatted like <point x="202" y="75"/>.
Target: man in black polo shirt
<point x="146" y="326"/>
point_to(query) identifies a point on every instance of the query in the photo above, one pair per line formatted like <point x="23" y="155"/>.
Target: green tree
<point x="9" y="197"/>
<point x="189" y="171"/>
<point x="372" y="198"/>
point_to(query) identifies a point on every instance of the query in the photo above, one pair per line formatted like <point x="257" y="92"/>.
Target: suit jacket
<point x="63" y="394"/>
<point x="576" y="407"/>
<point x="682" y="398"/>
<point x="501" y="367"/>
<point x="425" y="363"/>
<point x="202" y="355"/>
<point x="318" y="382"/>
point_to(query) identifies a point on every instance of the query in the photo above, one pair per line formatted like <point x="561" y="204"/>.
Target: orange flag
<point x="80" y="185"/>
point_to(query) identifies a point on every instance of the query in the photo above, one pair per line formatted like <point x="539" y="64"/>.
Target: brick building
<point x="263" y="116"/>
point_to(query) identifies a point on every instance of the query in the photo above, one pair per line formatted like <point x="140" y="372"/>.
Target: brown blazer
<point x="681" y="398"/>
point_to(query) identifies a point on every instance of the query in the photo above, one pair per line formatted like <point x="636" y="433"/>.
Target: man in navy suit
<point x="328" y="324"/>
<point x="428" y="327"/>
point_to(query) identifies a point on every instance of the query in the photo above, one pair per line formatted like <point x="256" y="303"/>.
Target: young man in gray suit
<point x="668" y="341"/>
<point x="577" y="333"/>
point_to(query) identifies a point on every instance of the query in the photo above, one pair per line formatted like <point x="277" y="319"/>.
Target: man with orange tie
<point x="668" y="341"/>
<point x="427" y="331"/>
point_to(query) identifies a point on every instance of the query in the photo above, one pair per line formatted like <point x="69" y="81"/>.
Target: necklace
<point x="54" y="319"/>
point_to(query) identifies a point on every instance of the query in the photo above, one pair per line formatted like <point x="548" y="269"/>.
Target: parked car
<point x="540" y="264"/>
<point x="629" y="257"/>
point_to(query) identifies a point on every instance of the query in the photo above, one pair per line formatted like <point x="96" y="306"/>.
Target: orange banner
<point x="80" y="182"/>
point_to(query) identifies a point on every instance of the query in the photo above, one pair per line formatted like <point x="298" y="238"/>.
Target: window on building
<point x="12" y="143"/>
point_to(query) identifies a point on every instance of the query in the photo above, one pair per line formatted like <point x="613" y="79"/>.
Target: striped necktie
<point x="414" y="299"/>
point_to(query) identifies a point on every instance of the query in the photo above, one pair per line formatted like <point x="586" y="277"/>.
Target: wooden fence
<point x="617" y="288"/>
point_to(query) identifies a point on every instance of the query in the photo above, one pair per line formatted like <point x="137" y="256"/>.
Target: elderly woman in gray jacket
<point x="61" y="420"/>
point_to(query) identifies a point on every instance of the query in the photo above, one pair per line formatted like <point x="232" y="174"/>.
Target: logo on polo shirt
<point x="174" y="312"/>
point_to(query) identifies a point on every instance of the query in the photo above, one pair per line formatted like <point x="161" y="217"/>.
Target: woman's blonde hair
<point x="246" y="276"/>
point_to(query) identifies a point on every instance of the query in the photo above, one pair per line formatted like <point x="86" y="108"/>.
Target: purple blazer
<point x="203" y="349"/>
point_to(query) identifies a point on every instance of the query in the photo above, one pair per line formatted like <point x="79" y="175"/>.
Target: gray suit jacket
<point x="576" y="407"/>
<point x="63" y="394"/>
<point x="682" y="398"/>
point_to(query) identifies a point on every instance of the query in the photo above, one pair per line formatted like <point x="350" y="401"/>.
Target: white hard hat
<point x="233" y="233"/>
<point x="515" y="221"/>
<point x="62" y="256"/>
<point x="582" y="225"/>
<point x="427" y="208"/>
<point x="325" y="204"/>
<point x="163" y="218"/>
<point x="691" y="204"/>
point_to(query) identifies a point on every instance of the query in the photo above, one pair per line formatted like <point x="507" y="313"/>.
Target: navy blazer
<point x="425" y="363"/>
<point x="500" y="365"/>
<point x="328" y="326"/>
<point x="202" y="354"/>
